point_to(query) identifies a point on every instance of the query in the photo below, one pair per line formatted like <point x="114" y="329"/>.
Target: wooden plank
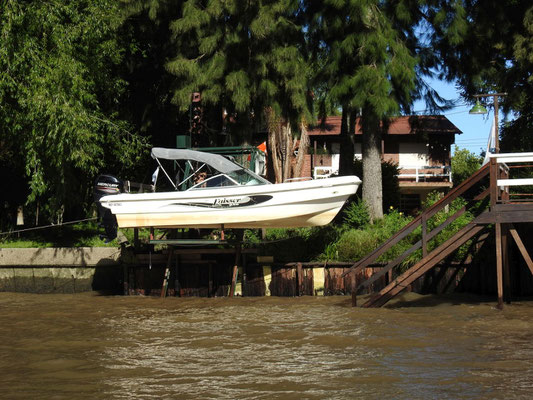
<point x="235" y="269"/>
<point x="243" y="277"/>
<point x="506" y="265"/>
<point x="512" y="207"/>
<point x="515" y="182"/>
<point x="389" y="266"/>
<point x="210" y="282"/>
<point x="233" y="281"/>
<point x="131" y="281"/>
<point x="416" y="246"/>
<point x="491" y="217"/>
<point x="416" y="271"/>
<point x="166" y="277"/>
<point x="177" y="285"/>
<point x="503" y="156"/>
<point x="522" y="248"/>
<point x="300" y="273"/>
<point x="499" y="266"/>
<point x="510" y="158"/>
<point x="409" y="228"/>
<point x="424" y="235"/>
<point x="493" y="182"/>
<point x="125" y="281"/>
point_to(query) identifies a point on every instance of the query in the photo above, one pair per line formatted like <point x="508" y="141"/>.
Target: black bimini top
<point x="216" y="161"/>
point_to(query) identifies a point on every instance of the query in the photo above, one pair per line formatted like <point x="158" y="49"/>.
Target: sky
<point x="475" y="128"/>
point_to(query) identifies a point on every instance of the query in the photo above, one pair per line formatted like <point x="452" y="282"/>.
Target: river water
<point x="86" y="346"/>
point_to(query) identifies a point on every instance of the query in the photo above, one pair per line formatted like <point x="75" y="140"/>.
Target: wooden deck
<point x="495" y="209"/>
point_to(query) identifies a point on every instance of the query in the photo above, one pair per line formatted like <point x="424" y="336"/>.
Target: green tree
<point x="59" y="96"/>
<point x="365" y="51"/>
<point x="464" y="164"/>
<point x="487" y="47"/>
<point x="148" y="47"/>
<point x="247" y="60"/>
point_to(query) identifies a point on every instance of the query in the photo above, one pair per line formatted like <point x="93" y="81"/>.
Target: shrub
<point x="356" y="214"/>
<point x="353" y="244"/>
<point x="299" y="244"/>
<point x="451" y="229"/>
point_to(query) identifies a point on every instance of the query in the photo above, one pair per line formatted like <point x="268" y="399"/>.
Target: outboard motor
<point x="103" y="186"/>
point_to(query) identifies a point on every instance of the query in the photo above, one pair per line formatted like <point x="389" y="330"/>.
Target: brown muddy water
<point x="86" y="346"/>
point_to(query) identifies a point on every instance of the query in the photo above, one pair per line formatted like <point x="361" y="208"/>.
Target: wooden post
<point x="424" y="235"/>
<point x="131" y="280"/>
<point x="506" y="264"/>
<point x="235" y="269"/>
<point x="164" y="288"/>
<point x="233" y="281"/>
<point x="177" y="286"/>
<point x="299" y="272"/>
<point x="125" y="281"/>
<point x="354" y="299"/>
<point x="210" y="287"/>
<point x="353" y="282"/>
<point x="493" y="182"/>
<point x="499" y="267"/>
<point x="243" y="277"/>
<point x="136" y="243"/>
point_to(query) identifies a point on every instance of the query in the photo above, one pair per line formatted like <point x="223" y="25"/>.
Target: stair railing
<point x="420" y="220"/>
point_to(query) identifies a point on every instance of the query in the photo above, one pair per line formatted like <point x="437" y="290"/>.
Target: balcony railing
<point x="511" y="170"/>
<point x="427" y="173"/>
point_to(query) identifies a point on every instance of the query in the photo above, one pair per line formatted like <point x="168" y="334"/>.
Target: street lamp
<point x="479" y="109"/>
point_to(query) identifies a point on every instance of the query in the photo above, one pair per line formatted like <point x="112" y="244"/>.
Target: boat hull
<point x="296" y="204"/>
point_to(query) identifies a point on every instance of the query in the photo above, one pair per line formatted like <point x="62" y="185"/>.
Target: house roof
<point x="406" y="125"/>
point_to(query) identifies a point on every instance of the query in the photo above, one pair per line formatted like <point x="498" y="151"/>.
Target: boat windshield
<point x="191" y="170"/>
<point x="237" y="178"/>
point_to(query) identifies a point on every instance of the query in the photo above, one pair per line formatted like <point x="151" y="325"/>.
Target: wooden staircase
<point x="502" y="211"/>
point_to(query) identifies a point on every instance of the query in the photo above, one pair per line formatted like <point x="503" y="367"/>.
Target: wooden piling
<point x="299" y="272"/>
<point x="210" y="284"/>
<point x="506" y="264"/>
<point x="354" y="299"/>
<point x="125" y="280"/>
<point x="177" y="285"/>
<point x="499" y="266"/>
<point x="166" y="277"/>
<point x="235" y="269"/>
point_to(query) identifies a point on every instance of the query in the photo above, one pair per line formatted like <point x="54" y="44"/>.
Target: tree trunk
<point x="282" y="146"/>
<point x="285" y="148"/>
<point x="347" y="150"/>
<point x="372" y="182"/>
<point x="302" y="151"/>
<point x="274" y="156"/>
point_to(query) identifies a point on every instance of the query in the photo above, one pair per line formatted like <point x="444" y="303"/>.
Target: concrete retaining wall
<point x="60" y="257"/>
<point x="60" y="270"/>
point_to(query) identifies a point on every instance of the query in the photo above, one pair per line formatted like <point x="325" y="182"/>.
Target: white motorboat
<point x="211" y="191"/>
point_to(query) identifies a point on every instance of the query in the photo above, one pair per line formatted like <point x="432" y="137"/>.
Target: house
<point x="419" y="145"/>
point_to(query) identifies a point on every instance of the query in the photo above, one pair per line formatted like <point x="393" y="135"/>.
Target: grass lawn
<point x="86" y="234"/>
